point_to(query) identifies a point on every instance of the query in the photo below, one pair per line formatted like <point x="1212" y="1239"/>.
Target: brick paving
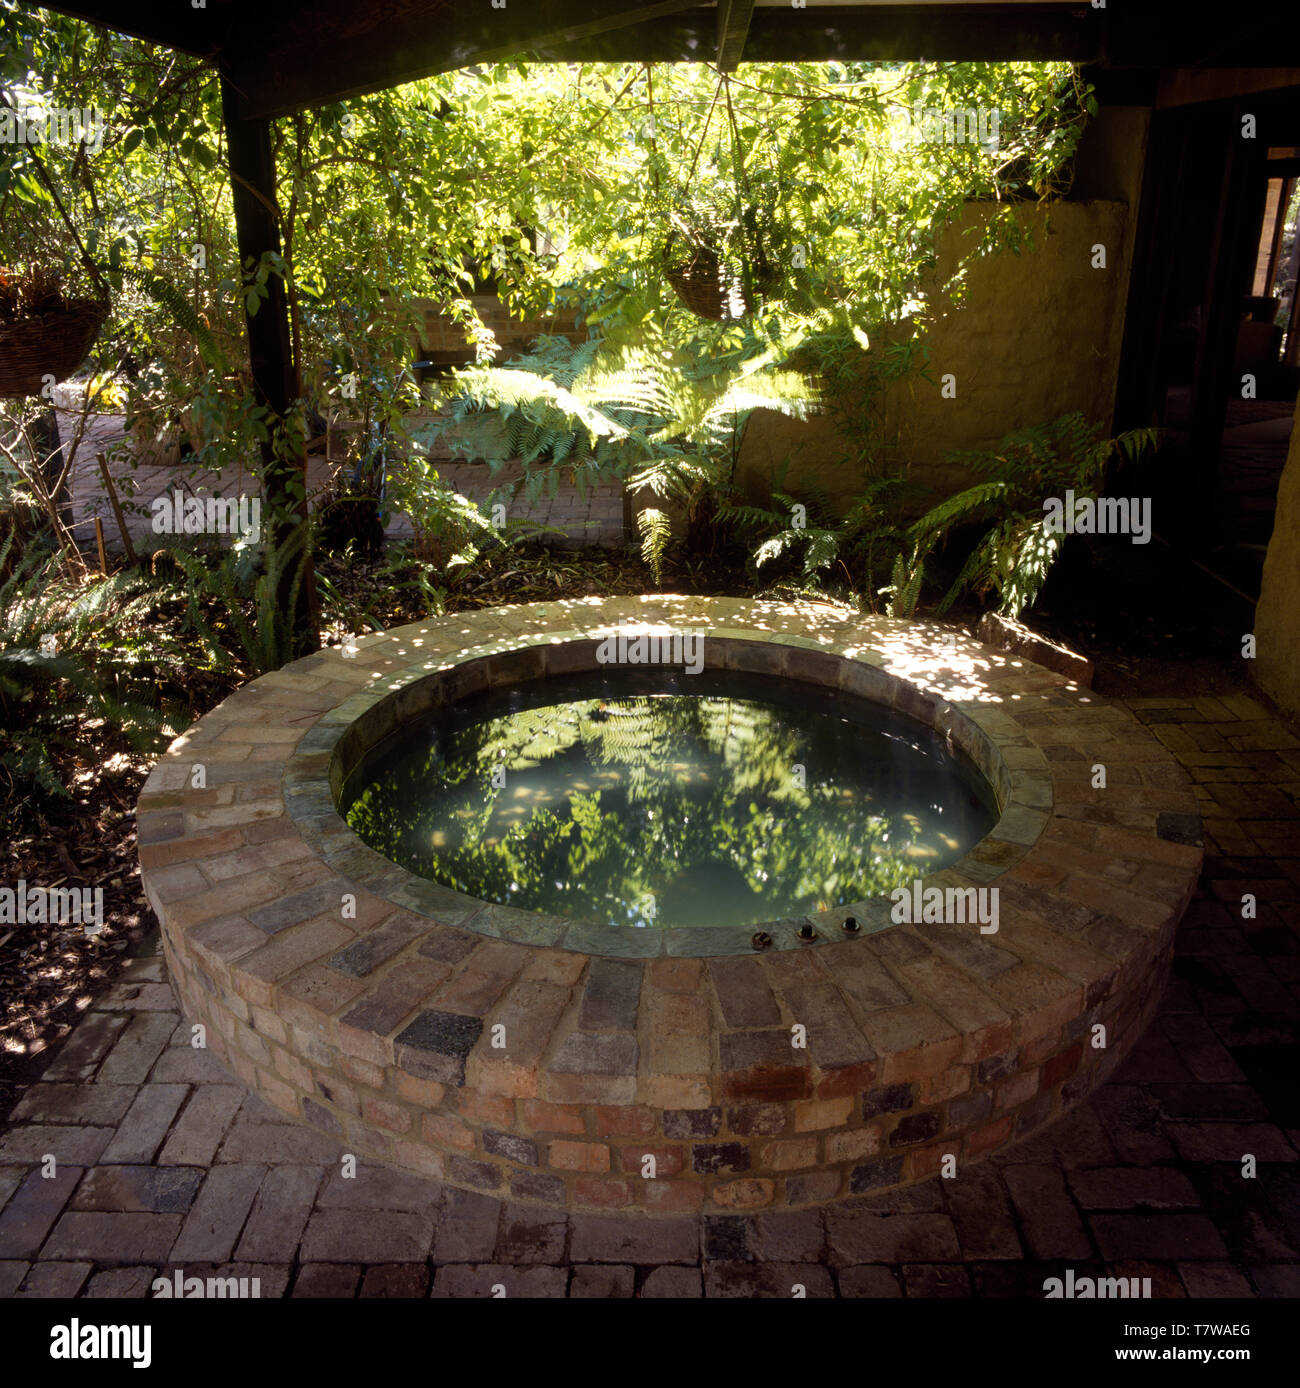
<point x="162" y="1163"/>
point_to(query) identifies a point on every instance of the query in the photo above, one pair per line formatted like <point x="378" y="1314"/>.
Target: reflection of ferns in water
<point x="666" y="788"/>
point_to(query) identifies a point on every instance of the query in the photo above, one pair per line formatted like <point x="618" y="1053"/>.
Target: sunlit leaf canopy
<point x="668" y="809"/>
<point x="552" y="183"/>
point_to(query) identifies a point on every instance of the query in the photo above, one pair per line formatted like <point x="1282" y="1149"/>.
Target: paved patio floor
<point x="163" y="1163"/>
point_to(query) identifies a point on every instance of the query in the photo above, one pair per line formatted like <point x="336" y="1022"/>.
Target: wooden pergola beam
<point x="283" y="56"/>
<point x="196" y="32"/>
<point x="952" y="32"/>
<point x="734" y="18"/>
<point x="323" y="53"/>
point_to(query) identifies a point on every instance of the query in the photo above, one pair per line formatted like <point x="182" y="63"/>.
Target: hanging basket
<point x="54" y="344"/>
<point x="708" y="286"/>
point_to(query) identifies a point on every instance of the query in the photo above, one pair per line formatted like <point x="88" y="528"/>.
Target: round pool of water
<point x="668" y="799"/>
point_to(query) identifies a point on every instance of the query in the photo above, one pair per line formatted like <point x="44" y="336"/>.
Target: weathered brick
<point x="511" y="1146"/>
<point x="792" y="1154"/>
<point x="542" y="1117"/>
<point x="275" y="1226"/>
<point x="436" y="1045"/>
<point x="891" y="1099"/>
<point x="743" y="993"/>
<point x="578" y="1156"/>
<point x="811" y="1115"/>
<point x="152" y="1189"/>
<point x="112" y="1237"/>
<point x="756" y="1120"/>
<point x="32" y="1210"/>
<point x="703" y="1122"/>
<point x="339" y="1236"/>
<point x="611" y="996"/>
<point x="749" y="1193"/>
<point x="708" y="1158"/>
<point x="875" y="1174"/>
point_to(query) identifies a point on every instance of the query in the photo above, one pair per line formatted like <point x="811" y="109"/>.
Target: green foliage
<point x="551" y="186"/>
<point x="451" y="531"/>
<point x="889" y="557"/>
<point x="668" y="423"/>
<point x="58" y="641"/>
<point x="234" y="605"/>
<point x="1028" y="466"/>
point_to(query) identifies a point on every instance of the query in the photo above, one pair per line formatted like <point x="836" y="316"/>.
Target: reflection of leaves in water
<point x="608" y="803"/>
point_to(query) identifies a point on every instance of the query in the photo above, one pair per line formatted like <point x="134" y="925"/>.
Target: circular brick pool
<point x="594" y="1066"/>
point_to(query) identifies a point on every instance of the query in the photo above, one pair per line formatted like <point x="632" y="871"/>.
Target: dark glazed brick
<point x="996" y="1066"/>
<point x="449" y="946"/>
<point x="874" y="1174"/>
<point x="365" y="955"/>
<point x="710" y="1157"/>
<point x="532" y="1185"/>
<point x="726" y="1238"/>
<point x="692" y="1122"/>
<point x="610" y="999"/>
<point x="474" y="1173"/>
<point x="742" y="990"/>
<point x="970" y="1108"/>
<point x="892" y="1099"/>
<point x="520" y="1149"/>
<point x="756" y="1120"/>
<point x="916" y="1127"/>
<point x="742" y="1049"/>
<point x="436" y="1044"/>
<point x="1179" y="828"/>
<point x="293" y="910"/>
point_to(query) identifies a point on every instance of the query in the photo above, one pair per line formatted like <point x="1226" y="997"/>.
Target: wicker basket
<point x="49" y="344"/>
<point x="708" y="287"/>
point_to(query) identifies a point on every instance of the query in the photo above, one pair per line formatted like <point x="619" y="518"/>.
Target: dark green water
<point x="661" y="798"/>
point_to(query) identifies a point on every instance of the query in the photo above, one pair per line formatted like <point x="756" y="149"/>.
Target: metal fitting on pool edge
<point x="850" y="926"/>
<point x="762" y="940"/>
<point x="806" y="932"/>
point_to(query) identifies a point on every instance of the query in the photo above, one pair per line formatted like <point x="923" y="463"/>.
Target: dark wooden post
<point x="275" y="381"/>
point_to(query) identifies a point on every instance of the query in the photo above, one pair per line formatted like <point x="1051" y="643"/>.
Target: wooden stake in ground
<point x="127" y="547"/>
<point x="99" y="541"/>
